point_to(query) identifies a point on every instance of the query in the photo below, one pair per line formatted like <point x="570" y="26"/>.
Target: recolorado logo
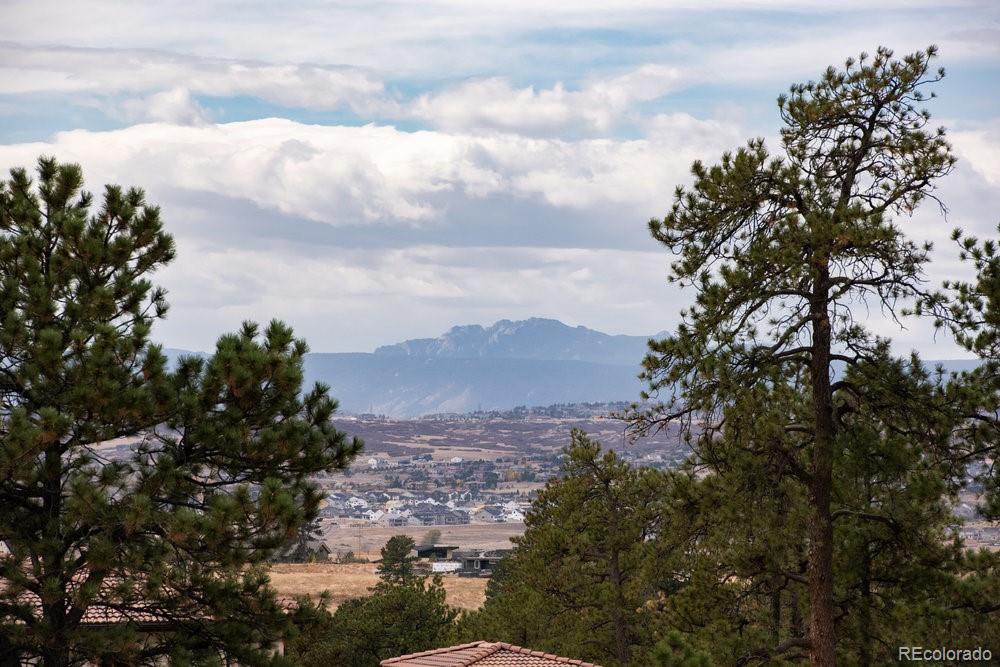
<point x="924" y="654"/>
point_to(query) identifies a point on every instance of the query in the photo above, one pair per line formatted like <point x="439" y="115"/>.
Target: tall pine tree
<point x="781" y="251"/>
<point x="217" y="475"/>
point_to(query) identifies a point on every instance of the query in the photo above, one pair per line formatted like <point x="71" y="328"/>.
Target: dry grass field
<point x="353" y="580"/>
<point x="368" y="539"/>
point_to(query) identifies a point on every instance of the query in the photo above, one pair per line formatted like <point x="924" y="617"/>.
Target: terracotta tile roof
<point x="106" y="610"/>
<point x="483" y="654"/>
<point x="98" y="614"/>
<point x="103" y="611"/>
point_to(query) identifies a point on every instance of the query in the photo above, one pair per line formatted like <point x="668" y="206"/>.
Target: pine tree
<point x="781" y="251"/>
<point x="397" y="562"/>
<point x="395" y="619"/>
<point x="739" y="522"/>
<point x="971" y="312"/>
<point x="216" y="475"/>
<point x="581" y="573"/>
<point x="298" y="551"/>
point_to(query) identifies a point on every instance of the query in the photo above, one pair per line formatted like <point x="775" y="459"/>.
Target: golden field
<point x="354" y="579"/>
<point x="364" y="538"/>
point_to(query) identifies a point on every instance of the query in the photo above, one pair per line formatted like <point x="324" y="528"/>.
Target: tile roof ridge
<point x="439" y="651"/>
<point x="485" y="649"/>
<point x="493" y="648"/>
<point x="542" y="654"/>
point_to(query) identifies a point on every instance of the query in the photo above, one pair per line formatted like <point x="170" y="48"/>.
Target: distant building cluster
<point x="448" y="559"/>
<point x="980" y="535"/>
<point x="595" y="410"/>
<point x="408" y="508"/>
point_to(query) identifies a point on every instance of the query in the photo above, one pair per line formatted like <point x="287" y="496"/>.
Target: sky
<point x="376" y="171"/>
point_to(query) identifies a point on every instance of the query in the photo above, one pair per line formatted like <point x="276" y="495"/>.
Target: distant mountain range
<point x="527" y="362"/>
<point x="536" y="338"/>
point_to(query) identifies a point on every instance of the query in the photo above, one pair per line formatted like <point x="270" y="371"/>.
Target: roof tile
<point x="483" y="654"/>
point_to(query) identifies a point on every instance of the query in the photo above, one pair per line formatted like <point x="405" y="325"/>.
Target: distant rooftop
<point x="483" y="654"/>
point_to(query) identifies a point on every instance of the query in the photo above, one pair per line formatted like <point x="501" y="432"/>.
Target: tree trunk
<point x="867" y="631"/>
<point x="55" y="646"/>
<point x="796" y="616"/>
<point x="9" y="655"/>
<point x="776" y="616"/>
<point x="776" y="581"/>
<point x="55" y="655"/>
<point x="820" y="575"/>
<point x="620" y="623"/>
<point x="866" y="609"/>
<point x="820" y="568"/>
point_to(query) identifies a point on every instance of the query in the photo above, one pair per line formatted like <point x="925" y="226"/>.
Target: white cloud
<point x="380" y="33"/>
<point x="30" y="69"/>
<point x="349" y="175"/>
<point x="135" y="50"/>
<point x="790" y="53"/>
<point x="679" y="129"/>
<point x="343" y="298"/>
<point x="170" y="82"/>
<point x="494" y="104"/>
<point x="133" y="60"/>
<point x="170" y="106"/>
<point x="979" y="144"/>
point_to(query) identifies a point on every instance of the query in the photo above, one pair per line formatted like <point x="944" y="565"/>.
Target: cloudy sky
<point x="375" y="171"/>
